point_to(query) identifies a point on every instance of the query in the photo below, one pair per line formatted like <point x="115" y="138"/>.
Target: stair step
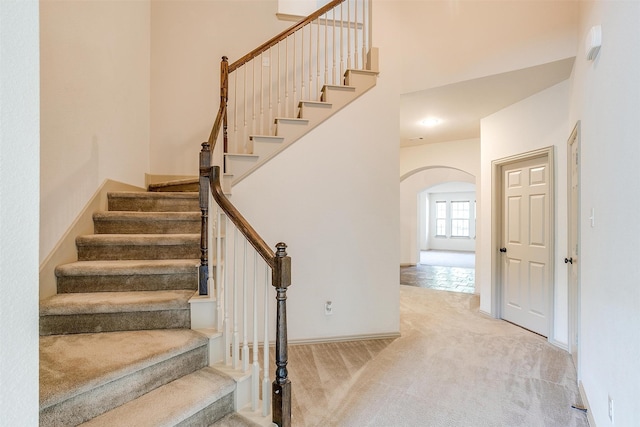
<point x="339" y="96"/>
<point x="234" y="420"/>
<point x="200" y="398"/>
<point x="290" y="128"/>
<point x="127" y="275"/>
<point x="85" y="375"/>
<point x="138" y="246"/>
<point x="187" y="184"/>
<point x="265" y="146"/>
<point x="127" y="222"/>
<point x="238" y="164"/>
<point x="153" y="202"/>
<point x="315" y="111"/>
<point x="79" y="313"/>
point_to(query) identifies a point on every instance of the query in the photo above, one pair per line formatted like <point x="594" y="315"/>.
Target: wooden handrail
<point x="283" y="35"/>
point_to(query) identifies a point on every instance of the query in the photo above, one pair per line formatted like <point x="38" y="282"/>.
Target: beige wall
<point x="94" y="104"/>
<point x="188" y="40"/>
<point x="444" y="42"/>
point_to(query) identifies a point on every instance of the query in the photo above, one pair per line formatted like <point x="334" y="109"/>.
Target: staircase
<point x="139" y="322"/>
<point x="116" y="348"/>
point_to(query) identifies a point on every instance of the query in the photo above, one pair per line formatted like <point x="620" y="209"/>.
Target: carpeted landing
<point x="452" y="366"/>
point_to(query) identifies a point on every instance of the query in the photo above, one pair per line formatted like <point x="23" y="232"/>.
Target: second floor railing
<point x="270" y="81"/>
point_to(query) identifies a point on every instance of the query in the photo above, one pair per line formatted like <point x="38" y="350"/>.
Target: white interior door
<point x="572" y="259"/>
<point x="526" y="272"/>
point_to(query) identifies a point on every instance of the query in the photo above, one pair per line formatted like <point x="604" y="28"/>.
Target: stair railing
<point x="271" y="81"/>
<point x="267" y="83"/>
<point x="233" y="274"/>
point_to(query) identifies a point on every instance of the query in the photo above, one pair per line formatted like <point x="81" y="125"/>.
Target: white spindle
<point x="348" y="34"/>
<point x="261" y="95"/>
<point x="364" y="38"/>
<point x="295" y="80"/>
<point x="255" y="375"/>
<point x="219" y="267"/>
<point x="310" y="59"/>
<point x="229" y="283"/>
<point x="341" y="41"/>
<point x="245" y="136"/>
<point x="266" y="381"/>
<point x="253" y="99"/>
<point x="245" y="325"/>
<point x="333" y="49"/>
<point x="235" y="346"/>
<point x="286" y="77"/>
<point x="279" y="110"/>
<point x="355" y="33"/>
<point x="326" y="53"/>
<point x="302" y="79"/>
<point x="270" y="118"/>
<point x="318" y="60"/>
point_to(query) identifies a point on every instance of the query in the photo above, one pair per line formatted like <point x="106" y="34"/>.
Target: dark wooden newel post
<point x="205" y="171"/>
<point x="281" y="385"/>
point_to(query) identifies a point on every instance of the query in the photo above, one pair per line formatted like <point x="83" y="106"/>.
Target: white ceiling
<point x="460" y="106"/>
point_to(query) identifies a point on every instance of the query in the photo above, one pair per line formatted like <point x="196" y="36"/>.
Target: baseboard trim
<point x="558" y="344"/>
<point x="585" y="403"/>
<point x="326" y="340"/>
<point x="65" y="250"/>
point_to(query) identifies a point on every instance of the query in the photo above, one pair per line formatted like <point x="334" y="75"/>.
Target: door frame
<point x="497" y="229"/>
<point x="574" y="297"/>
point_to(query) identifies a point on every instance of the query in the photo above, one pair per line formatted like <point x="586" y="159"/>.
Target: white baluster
<point x="229" y="283"/>
<point x="255" y="375"/>
<point x="245" y="136"/>
<point x="355" y="32"/>
<point x="310" y="59"/>
<point x="235" y="346"/>
<point x="260" y="127"/>
<point x="219" y="267"/>
<point x="286" y="77"/>
<point x="349" y="23"/>
<point x="245" y="324"/>
<point x="235" y="113"/>
<point x="333" y="49"/>
<point x="270" y="118"/>
<point x="302" y="79"/>
<point x="266" y="381"/>
<point x="326" y="53"/>
<point x="253" y="100"/>
<point x="341" y="42"/>
<point x="279" y="109"/>
<point x="295" y="80"/>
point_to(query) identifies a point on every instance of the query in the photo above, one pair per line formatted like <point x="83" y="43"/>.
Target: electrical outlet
<point x="328" y="308"/>
<point x="611" y="409"/>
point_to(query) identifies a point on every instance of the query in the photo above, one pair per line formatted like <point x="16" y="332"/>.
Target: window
<point x="441" y="219"/>
<point x="460" y="215"/>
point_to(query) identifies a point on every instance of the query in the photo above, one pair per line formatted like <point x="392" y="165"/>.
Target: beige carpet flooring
<point x="452" y="366"/>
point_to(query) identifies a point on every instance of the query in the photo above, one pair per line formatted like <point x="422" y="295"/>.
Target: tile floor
<point x="455" y="279"/>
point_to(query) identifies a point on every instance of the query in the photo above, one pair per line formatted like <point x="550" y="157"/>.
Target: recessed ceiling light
<point x="430" y="121"/>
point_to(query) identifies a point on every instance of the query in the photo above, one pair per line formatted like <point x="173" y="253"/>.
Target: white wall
<point x="188" y="40"/>
<point x="94" y="103"/>
<point x="452" y="41"/>
<point x="19" y="154"/>
<point x="333" y="198"/>
<point x="423" y="166"/>
<point x="606" y="99"/>
<point x="539" y="121"/>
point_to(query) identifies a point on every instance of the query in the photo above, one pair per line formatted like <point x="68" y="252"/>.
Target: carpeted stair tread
<point x="74" y="364"/>
<point x="234" y="420"/>
<point x="173" y="403"/>
<point x="154" y="201"/>
<point x="138" y="246"/>
<point x="127" y="275"/>
<point x="186" y="184"/>
<point x="129" y="222"/>
<point x="127" y="267"/>
<point x="115" y="302"/>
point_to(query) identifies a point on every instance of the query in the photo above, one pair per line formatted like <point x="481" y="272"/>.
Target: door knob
<point x="568" y="260"/>
<point x="503" y="250"/>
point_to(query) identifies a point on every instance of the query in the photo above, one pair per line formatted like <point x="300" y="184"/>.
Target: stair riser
<point x="90" y="404"/>
<point x="210" y="414"/>
<point x="119" y="283"/>
<point x="131" y="252"/>
<point x="144" y="203"/>
<point x="110" y="322"/>
<point x="116" y="226"/>
<point x="175" y="187"/>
